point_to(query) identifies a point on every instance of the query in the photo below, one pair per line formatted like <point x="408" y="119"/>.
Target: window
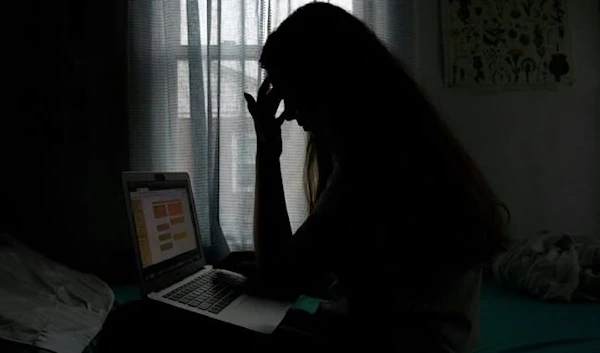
<point x="201" y="55"/>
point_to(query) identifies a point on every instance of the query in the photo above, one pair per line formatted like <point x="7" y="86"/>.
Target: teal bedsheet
<point x="513" y="323"/>
<point x="124" y="294"/>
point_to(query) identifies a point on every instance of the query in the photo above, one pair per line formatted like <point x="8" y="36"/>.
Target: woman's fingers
<point x="263" y="109"/>
<point x="250" y="102"/>
<point x="264" y="88"/>
<point x="267" y="102"/>
<point x="269" y="97"/>
<point x="274" y="98"/>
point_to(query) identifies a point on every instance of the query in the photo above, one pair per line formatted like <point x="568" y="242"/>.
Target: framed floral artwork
<point x="506" y="43"/>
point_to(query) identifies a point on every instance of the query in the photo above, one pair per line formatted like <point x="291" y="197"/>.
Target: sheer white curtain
<point x="189" y="63"/>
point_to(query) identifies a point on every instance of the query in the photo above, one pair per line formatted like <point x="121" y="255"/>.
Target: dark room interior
<point x="67" y="140"/>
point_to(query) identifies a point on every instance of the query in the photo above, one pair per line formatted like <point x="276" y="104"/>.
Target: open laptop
<point x="171" y="264"/>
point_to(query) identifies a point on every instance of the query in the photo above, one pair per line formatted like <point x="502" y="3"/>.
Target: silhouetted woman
<point x="399" y="212"/>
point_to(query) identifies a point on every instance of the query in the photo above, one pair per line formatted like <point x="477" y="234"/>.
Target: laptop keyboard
<point x="205" y="293"/>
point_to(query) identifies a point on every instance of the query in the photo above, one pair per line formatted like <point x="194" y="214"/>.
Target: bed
<point x="511" y="322"/>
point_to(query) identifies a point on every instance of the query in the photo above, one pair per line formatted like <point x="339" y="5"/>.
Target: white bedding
<point x="46" y="304"/>
<point x="552" y="266"/>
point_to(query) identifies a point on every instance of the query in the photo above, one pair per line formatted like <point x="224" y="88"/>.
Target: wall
<point x="540" y="150"/>
<point x="68" y="145"/>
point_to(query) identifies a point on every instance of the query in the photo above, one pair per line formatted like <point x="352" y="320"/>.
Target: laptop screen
<point x="164" y="224"/>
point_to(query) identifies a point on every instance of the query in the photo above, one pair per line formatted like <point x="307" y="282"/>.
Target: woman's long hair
<point x="334" y="60"/>
<point x="318" y="167"/>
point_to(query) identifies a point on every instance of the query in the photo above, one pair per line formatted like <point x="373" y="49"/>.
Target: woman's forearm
<point x="271" y="222"/>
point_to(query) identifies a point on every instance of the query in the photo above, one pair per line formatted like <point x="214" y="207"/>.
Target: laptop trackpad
<point x="254" y="313"/>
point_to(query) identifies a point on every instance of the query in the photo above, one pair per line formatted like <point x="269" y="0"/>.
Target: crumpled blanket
<point x="46" y="304"/>
<point x="552" y="266"/>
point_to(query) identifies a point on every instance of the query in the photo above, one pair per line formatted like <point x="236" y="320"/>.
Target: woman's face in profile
<point x="302" y="104"/>
<point x="292" y="101"/>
